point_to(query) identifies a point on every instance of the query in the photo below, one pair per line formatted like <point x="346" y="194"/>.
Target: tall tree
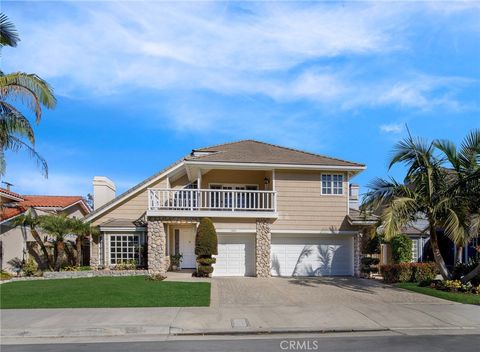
<point x="28" y="89"/>
<point x="443" y="196"/>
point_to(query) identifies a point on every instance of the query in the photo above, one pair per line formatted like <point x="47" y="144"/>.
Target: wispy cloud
<point x="391" y="128"/>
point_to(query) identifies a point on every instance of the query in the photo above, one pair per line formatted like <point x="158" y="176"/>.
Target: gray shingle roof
<point x="250" y="151"/>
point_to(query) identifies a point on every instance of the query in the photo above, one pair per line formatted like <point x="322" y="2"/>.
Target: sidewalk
<point x="21" y="323"/>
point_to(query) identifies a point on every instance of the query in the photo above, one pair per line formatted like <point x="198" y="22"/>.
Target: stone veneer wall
<point x="94" y="254"/>
<point x="356" y="254"/>
<point x="158" y="262"/>
<point x="262" y="245"/>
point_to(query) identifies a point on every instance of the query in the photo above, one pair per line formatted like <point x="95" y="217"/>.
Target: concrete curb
<point x="88" y="332"/>
<point x="275" y="331"/>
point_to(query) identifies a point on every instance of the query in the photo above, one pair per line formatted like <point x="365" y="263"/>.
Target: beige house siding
<point x="301" y="206"/>
<point x="132" y="208"/>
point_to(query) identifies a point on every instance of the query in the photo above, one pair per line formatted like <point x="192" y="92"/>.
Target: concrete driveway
<point x="274" y="292"/>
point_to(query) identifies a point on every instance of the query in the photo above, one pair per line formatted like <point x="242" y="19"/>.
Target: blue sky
<point x="140" y="84"/>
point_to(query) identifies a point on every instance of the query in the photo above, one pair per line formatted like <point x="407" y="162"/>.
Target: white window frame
<point x="108" y="247"/>
<point x="332" y="184"/>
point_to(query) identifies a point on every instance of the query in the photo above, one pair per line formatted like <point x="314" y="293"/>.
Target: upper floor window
<point x="332" y="184"/>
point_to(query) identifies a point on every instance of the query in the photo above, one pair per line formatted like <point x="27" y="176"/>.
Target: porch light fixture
<point x="266" y="181"/>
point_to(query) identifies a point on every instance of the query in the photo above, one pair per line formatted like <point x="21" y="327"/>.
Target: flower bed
<point x="455" y="286"/>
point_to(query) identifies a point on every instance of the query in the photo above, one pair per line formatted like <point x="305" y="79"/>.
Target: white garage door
<point x="235" y="255"/>
<point x="298" y="255"/>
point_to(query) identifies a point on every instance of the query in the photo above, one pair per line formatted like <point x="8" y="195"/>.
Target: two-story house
<point x="277" y="211"/>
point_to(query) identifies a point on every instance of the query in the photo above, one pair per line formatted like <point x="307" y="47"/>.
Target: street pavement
<point x="391" y="343"/>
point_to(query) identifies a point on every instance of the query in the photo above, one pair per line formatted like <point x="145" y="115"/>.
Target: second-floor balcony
<point x="211" y="202"/>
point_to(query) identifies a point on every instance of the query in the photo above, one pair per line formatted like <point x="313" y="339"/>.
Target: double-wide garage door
<point x="236" y="255"/>
<point x="291" y="255"/>
<point x="297" y="255"/>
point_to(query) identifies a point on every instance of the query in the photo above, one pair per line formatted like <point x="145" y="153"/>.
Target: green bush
<point x="408" y="272"/>
<point x="4" y="275"/>
<point x="401" y="249"/>
<point x="205" y="269"/>
<point x="206" y="245"/>
<point x="369" y="265"/>
<point x="462" y="269"/>
<point x="206" y="239"/>
<point x="30" y="268"/>
<point x="206" y="261"/>
<point x="423" y="272"/>
<point x="372" y="245"/>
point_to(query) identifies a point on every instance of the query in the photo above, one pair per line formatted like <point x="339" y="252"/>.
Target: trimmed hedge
<point x="206" y="261"/>
<point x="206" y="245"/>
<point x="408" y="272"/>
<point x="401" y="249"/>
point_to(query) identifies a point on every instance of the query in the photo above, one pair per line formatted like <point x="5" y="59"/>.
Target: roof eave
<point x="271" y="166"/>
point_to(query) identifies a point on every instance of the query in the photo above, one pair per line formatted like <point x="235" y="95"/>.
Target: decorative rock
<point x="263" y="242"/>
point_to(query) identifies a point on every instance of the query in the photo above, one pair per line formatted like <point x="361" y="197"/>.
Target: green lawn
<point x="104" y="292"/>
<point x="451" y="296"/>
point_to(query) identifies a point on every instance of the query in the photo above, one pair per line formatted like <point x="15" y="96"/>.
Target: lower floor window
<point x="125" y="249"/>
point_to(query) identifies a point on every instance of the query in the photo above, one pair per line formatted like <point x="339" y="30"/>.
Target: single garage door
<point x="236" y="255"/>
<point x="299" y="255"/>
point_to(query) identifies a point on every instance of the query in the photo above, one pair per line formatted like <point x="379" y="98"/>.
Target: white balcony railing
<point x="211" y="199"/>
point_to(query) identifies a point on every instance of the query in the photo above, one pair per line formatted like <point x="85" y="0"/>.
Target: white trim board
<point x="212" y="214"/>
<point x="122" y="229"/>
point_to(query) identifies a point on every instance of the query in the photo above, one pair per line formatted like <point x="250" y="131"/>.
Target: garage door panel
<point x="311" y="256"/>
<point x="235" y="255"/>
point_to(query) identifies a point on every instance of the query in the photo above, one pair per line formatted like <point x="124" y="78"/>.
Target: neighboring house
<point x="15" y="241"/>
<point x="277" y="211"/>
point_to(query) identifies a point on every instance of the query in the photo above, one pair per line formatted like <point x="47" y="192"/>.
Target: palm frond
<point x="30" y="88"/>
<point x="449" y="149"/>
<point x="16" y="144"/>
<point x="12" y="122"/>
<point x="399" y="213"/>
<point x="455" y="229"/>
<point x="469" y="153"/>
<point x="8" y="34"/>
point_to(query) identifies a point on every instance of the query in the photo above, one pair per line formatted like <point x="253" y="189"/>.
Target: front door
<point x="187" y="247"/>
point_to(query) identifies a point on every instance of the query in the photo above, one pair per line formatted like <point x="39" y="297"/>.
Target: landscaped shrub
<point x="4" y="275"/>
<point x="206" y="245"/>
<point x="462" y="269"/>
<point x="369" y="265"/>
<point x="30" y="268"/>
<point x="126" y="265"/>
<point x="206" y="261"/>
<point x="401" y="249"/>
<point x="424" y="272"/>
<point x="408" y="272"/>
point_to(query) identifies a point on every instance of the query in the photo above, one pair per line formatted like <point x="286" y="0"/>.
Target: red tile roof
<point x="10" y="193"/>
<point x="49" y="201"/>
<point x="7" y="213"/>
<point x="16" y="208"/>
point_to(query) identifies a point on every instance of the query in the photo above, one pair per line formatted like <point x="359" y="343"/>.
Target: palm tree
<point x="32" y="222"/>
<point x="57" y="226"/>
<point x="30" y="90"/>
<point x="8" y="33"/>
<point x="429" y="191"/>
<point x="82" y="230"/>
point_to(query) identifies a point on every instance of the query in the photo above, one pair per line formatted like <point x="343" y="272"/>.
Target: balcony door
<point x="225" y="200"/>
